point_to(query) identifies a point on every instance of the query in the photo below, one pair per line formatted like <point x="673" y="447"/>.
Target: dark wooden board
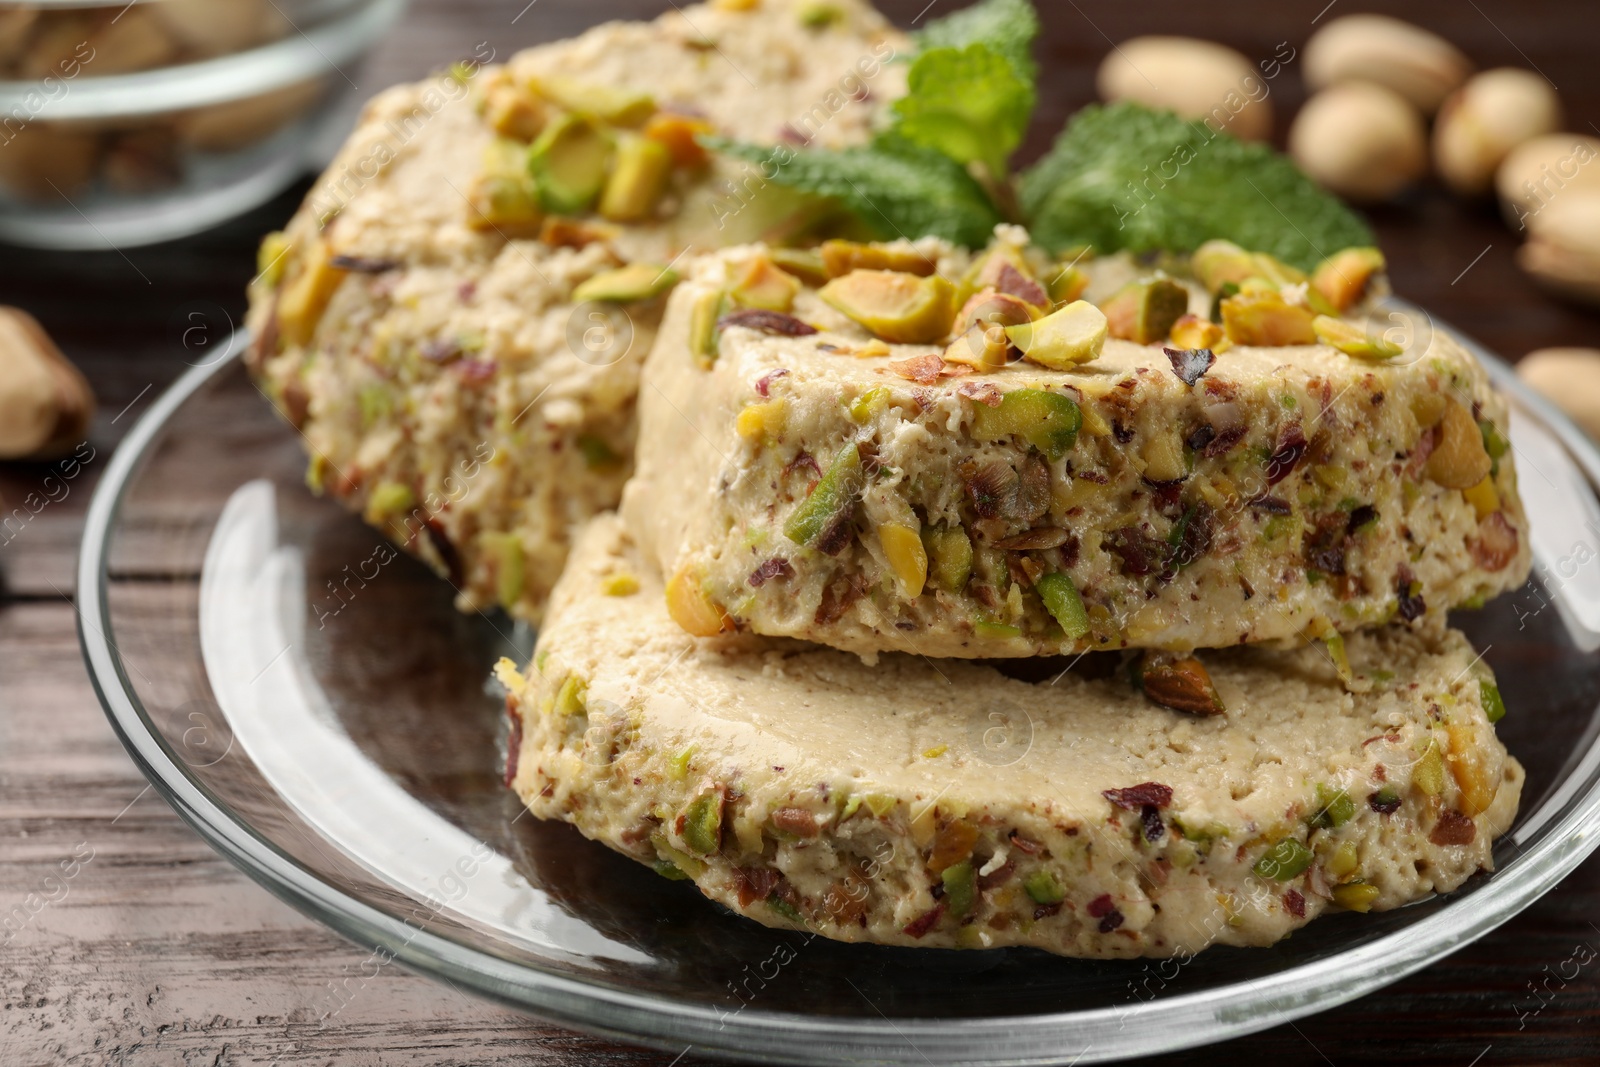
<point x="157" y="952"/>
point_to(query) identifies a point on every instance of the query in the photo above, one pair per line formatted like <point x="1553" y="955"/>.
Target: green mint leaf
<point x="1126" y="177"/>
<point x="1007" y="26"/>
<point x="895" y="188"/>
<point x="972" y="104"/>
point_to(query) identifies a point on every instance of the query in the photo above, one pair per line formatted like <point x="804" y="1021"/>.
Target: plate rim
<point x="1186" y="1020"/>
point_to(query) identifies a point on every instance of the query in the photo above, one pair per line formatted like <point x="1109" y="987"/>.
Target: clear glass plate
<point x="311" y="703"/>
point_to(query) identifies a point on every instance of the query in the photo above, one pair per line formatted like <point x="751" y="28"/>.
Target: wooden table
<point x="158" y="952"/>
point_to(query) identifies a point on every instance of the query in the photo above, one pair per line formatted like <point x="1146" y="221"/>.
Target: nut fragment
<point x="1570" y="379"/>
<point x="1144" y="312"/>
<point x="1360" y="140"/>
<point x="1422" y="67"/>
<point x="1348" y="276"/>
<point x="1266" y="319"/>
<point x="1485" y="119"/>
<point x="692" y="609"/>
<point x="1064" y="338"/>
<point x="1197" y="79"/>
<point x="1182" y="684"/>
<point x="1458" y="459"/>
<point x="898" y="307"/>
<point x="45" y="404"/>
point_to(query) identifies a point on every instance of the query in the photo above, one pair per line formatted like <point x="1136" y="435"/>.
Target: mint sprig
<point x="894" y="187"/>
<point x="1125" y="177"/>
<point x="1120" y="177"/>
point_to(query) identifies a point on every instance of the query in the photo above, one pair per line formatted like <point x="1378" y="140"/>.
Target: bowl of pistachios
<point x="124" y="124"/>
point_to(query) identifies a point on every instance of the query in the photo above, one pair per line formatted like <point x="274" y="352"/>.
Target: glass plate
<point x="311" y="703"/>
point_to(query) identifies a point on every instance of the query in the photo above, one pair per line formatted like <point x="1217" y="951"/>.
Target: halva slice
<point x="1000" y="456"/>
<point x="949" y="805"/>
<point x="455" y="318"/>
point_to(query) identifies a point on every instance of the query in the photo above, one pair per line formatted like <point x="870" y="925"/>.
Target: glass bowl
<point x="128" y="123"/>
<point x="311" y="703"/>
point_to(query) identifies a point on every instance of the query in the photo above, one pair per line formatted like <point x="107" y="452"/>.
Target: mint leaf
<point x="895" y="188"/>
<point x="972" y="104"/>
<point x="1007" y="26"/>
<point x="1126" y="177"/>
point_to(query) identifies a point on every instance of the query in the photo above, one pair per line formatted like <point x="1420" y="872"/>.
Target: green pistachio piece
<point x="1355" y="896"/>
<point x="638" y="178"/>
<point x="802" y="263"/>
<point x="1061" y="599"/>
<point x="569" y="162"/>
<point x="816" y="14"/>
<point x="702" y="823"/>
<point x="763" y="284"/>
<point x="1352" y="340"/>
<point x="1064" y="338"/>
<point x="949" y="557"/>
<point x="1334" y="809"/>
<point x="1048" y="421"/>
<point x="1042" y="888"/>
<point x="1494" y="706"/>
<point x="1265" y="318"/>
<point x="626" y="285"/>
<point x="898" y="307"/>
<point x="704" y="315"/>
<point x="818" y="518"/>
<point x="1345" y="277"/>
<point x="270" y="258"/>
<point x="1285" y="860"/>
<point x="506" y="551"/>
<point x="388" y="500"/>
<point x="960" y="888"/>
<point x="669" y="870"/>
<point x="608" y="103"/>
<point x="1144" y="312"/>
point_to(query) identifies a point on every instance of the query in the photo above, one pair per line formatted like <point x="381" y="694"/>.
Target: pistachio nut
<point x="45" y="404"/>
<point x="1198" y="79"/>
<point x="1422" y="67"/>
<point x="1360" y="140"/>
<point x="1543" y="168"/>
<point x="1570" y="379"/>
<point x="1485" y="119"/>
<point x="1563" y="248"/>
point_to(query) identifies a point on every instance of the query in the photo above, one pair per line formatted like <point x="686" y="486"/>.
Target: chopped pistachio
<point x="637" y="180"/>
<point x="1061" y="599"/>
<point x="1218" y="263"/>
<point x="626" y="285"/>
<point x="762" y="421"/>
<point x="1064" y="338"/>
<point x="669" y="870"/>
<point x="1191" y="332"/>
<point x="841" y="257"/>
<point x="818" y="14"/>
<point x="569" y="699"/>
<point x="692" y="609"/>
<point x="802" y="263"/>
<point x="306" y="295"/>
<point x="830" y="502"/>
<point x="1494" y="706"/>
<point x="1428" y="775"/>
<point x="678" y="769"/>
<point x="270" y="258"/>
<point x="1334" y="808"/>
<point x="703" y="332"/>
<point x="505" y="549"/>
<point x="1344" y="861"/>
<point x="1458" y="459"/>
<point x="702" y="823"/>
<point x="1042" y="888"/>
<point x="1285" y="860"/>
<point x="960" y="888"/>
<point x="989" y="308"/>
<point x="1144" y="312"/>
<point x="387" y="501"/>
<point x="619" y="585"/>
<point x="679" y="135"/>
<point x="1484" y="497"/>
<point x="513" y="113"/>
<point x="1182" y="684"/>
<point x="907" y="556"/>
<point x="763" y="284"/>
<point x="1352" y="340"/>
<point x="1049" y="421"/>
<point x="881" y="804"/>
<point x="893" y="305"/>
<point x="1356" y="896"/>
<point x="569" y="162"/>
<point x="949" y="551"/>
<point x="1066" y="284"/>
<point x="869" y="403"/>
<point x="986" y="348"/>
<point x="995" y="631"/>
<point x="597" y="455"/>
<point x="608" y="103"/>
<point x="1265" y="318"/>
<point x="1345" y="277"/>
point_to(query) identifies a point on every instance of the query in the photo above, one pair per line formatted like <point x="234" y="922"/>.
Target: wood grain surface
<point x="134" y="945"/>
